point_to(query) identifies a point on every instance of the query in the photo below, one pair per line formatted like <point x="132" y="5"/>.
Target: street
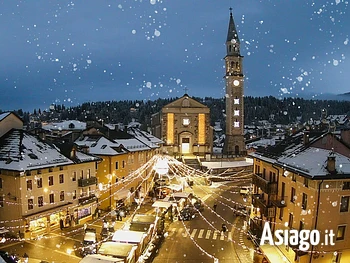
<point x="197" y="240"/>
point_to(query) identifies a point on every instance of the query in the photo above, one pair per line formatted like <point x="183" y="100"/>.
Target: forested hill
<point x="280" y="111"/>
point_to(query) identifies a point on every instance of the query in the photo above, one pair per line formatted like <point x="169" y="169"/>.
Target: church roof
<point x="185" y="102"/>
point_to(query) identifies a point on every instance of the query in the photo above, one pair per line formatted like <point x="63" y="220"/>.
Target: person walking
<point x="223" y="228"/>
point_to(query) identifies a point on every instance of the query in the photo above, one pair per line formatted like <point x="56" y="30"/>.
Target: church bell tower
<point x="234" y="140"/>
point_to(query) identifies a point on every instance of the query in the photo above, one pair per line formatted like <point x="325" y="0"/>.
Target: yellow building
<point x="303" y="183"/>
<point x="116" y="175"/>
<point x="41" y="187"/>
<point x="184" y="126"/>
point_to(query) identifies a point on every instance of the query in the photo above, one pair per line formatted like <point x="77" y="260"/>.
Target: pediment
<point x="185" y="102"/>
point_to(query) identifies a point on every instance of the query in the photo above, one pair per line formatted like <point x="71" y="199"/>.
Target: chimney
<point x="306" y="138"/>
<point x="73" y="153"/>
<point x="331" y="164"/>
<point x="345" y="136"/>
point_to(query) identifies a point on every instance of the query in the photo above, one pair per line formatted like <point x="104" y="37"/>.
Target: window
<point x="283" y="190"/>
<point x="29" y="185"/>
<point x="281" y="213"/>
<point x="82" y="174"/>
<point x="294" y="178"/>
<point x="1" y="201"/>
<point x="344" y="204"/>
<point x="185" y="122"/>
<point x="290" y="220"/>
<point x="116" y="165"/>
<point x="40" y="201"/>
<point x="50" y="170"/>
<point x="30" y="204"/>
<point x="346" y="185"/>
<point x="61" y="168"/>
<point x="62" y="196"/>
<point x="236" y="112"/>
<point x="74" y="194"/>
<point x="292" y="195"/>
<point x="74" y="178"/>
<point x="341" y="233"/>
<point x="50" y="180"/>
<point x="39" y="182"/>
<point x="306" y="182"/>
<point x="236" y="124"/>
<point x="301" y="225"/>
<point x="88" y="173"/>
<point x="61" y="177"/>
<point x="336" y="257"/>
<point x="123" y="165"/>
<point x="304" y="202"/>
<point x="39" y="171"/>
<point x="28" y="173"/>
<point x="0" y="183"/>
<point x="52" y="198"/>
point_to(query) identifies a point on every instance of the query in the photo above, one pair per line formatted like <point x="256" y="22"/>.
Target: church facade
<point x="184" y="126"/>
<point x="234" y="140"/>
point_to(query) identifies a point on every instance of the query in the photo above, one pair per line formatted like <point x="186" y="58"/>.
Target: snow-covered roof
<point x="145" y="137"/>
<point x="261" y="142"/>
<point x="82" y="157"/>
<point x="22" y="151"/>
<point x="100" y="145"/>
<point x="132" y="145"/>
<point x="313" y="161"/>
<point x="134" y="124"/>
<point x="341" y="119"/>
<point x="65" y="125"/>
<point x="4" y="115"/>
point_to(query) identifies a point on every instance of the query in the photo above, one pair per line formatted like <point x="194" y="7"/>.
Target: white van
<point x="95" y="258"/>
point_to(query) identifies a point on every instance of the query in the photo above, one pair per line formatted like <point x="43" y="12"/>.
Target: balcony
<point x="87" y="200"/>
<point x="268" y="211"/>
<point x="280" y="201"/>
<point x="266" y="186"/>
<point x="87" y="181"/>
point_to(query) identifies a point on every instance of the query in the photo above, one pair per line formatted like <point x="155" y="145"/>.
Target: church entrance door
<point x="185" y="145"/>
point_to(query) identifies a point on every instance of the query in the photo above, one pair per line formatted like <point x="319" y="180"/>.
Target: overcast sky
<point x="70" y="52"/>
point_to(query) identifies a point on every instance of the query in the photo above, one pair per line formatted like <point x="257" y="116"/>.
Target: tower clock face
<point x="236" y="82"/>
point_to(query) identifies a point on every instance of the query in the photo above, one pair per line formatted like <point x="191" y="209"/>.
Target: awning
<point x="273" y="254"/>
<point x="162" y="204"/>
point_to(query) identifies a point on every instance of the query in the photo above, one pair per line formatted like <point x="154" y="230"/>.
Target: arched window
<point x="185" y="103"/>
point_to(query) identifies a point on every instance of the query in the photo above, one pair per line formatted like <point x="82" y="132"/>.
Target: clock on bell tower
<point x="234" y="140"/>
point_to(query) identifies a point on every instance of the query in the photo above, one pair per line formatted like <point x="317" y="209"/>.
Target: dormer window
<point x="185" y="122"/>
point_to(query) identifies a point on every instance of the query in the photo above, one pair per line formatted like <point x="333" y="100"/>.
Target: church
<point x="184" y="125"/>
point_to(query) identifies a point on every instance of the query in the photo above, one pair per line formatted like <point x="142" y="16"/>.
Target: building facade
<point x="303" y="183"/>
<point x="234" y="140"/>
<point x="184" y="126"/>
<point x="40" y="188"/>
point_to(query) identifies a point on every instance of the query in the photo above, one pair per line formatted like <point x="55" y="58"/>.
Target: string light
<point x="175" y="168"/>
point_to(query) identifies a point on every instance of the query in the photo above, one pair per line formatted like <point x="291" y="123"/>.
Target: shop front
<point x="38" y="224"/>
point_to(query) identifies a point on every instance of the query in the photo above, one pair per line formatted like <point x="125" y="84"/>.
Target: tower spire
<point x="232" y="35"/>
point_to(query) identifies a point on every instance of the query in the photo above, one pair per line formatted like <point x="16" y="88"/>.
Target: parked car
<point x="89" y="242"/>
<point x="187" y="213"/>
<point x="245" y="190"/>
